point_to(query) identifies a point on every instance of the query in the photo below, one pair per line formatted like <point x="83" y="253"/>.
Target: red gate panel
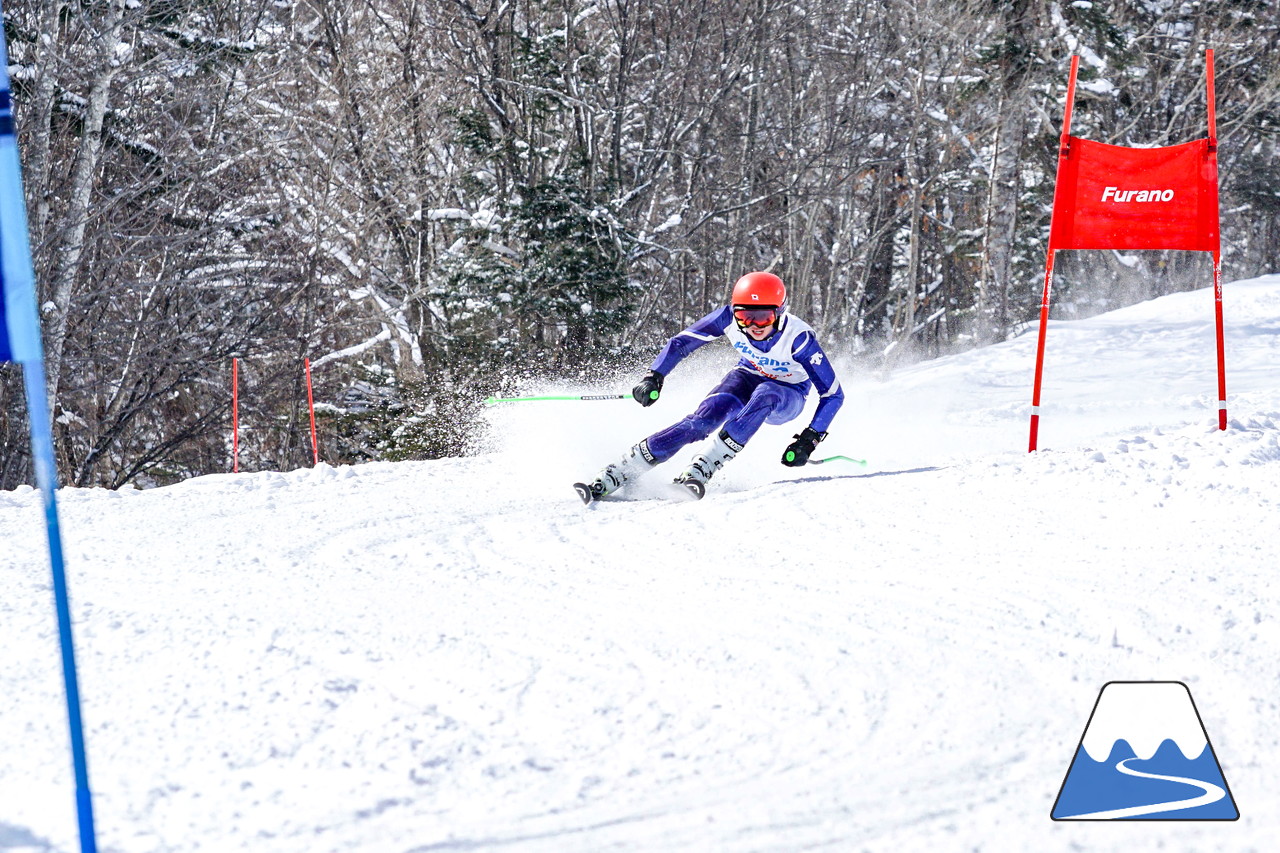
<point x="1109" y="197"/>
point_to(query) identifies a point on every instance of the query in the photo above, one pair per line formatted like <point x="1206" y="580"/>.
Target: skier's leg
<point x="615" y="475"/>
<point x="772" y="402"/>
<point x="724" y="402"/>
<point x="713" y="457"/>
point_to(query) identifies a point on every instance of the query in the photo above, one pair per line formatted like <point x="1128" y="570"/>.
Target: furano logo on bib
<point x="1116" y="194"/>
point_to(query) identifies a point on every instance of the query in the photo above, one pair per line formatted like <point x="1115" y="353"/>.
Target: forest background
<point x="436" y="200"/>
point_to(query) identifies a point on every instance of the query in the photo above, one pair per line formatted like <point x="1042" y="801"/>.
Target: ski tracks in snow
<point x="458" y="655"/>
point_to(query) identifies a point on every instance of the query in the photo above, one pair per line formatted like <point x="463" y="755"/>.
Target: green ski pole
<point x="838" y="459"/>
<point x="492" y="400"/>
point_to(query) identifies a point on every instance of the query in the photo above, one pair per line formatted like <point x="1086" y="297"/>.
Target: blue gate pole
<point x="22" y="339"/>
<point x="47" y="480"/>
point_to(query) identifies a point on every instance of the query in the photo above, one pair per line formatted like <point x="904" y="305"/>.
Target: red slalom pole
<point x="311" y="407"/>
<point x="1222" y="354"/>
<point x="1213" y="112"/>
<point x="1065" y="142"/>
<point x="235" y="416"/>
<point x="1064" y="151"/>
<point x="1217" y="251"/>
<point x="1044" y="328"/>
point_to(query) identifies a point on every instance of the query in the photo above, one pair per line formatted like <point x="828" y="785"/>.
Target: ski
<point x="679" y="489"/>
<point x="692" y="488"/>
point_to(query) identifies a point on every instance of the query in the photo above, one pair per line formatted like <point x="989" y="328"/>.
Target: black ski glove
<point x="646" y="392"/>
<point x="798" y="451"/>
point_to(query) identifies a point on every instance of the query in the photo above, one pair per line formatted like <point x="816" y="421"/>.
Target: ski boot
<point x="615" y="475"/>
<point x="704" y="465"/>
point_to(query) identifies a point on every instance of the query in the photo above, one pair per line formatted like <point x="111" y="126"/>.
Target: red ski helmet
<point x="759" y="290"/>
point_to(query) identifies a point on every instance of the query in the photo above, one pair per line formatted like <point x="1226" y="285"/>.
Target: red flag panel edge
<point x="1112" y="197"/>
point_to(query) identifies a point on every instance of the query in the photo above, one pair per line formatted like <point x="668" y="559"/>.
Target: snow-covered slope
<point x="456" y="655"/>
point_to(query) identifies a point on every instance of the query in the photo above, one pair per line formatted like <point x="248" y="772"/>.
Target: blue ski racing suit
<point x="767" y="385"/>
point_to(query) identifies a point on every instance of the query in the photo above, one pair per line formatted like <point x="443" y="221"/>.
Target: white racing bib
<point x="778" y="363"/>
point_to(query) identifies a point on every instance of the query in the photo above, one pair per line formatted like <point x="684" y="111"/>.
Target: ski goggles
<point x="759" y="317"/>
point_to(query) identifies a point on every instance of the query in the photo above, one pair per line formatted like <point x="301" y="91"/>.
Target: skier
<point x="779" y="358"/>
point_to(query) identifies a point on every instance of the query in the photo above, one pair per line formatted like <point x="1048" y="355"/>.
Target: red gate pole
<point x="311" y="407"/>
<point x="1213" y="112"/>
<point x="1065" y="142"/>
<point x="1044" y="327"/>
<point x="1064" y="149"/>
<point x="1222" y="350"/>
<point x="235" y="416"/>
<point x="1217" y="252"/>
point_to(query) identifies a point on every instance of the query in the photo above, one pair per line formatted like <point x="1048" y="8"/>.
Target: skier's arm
<point x="702" y="332"/>
<point x="825" y="381"/>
